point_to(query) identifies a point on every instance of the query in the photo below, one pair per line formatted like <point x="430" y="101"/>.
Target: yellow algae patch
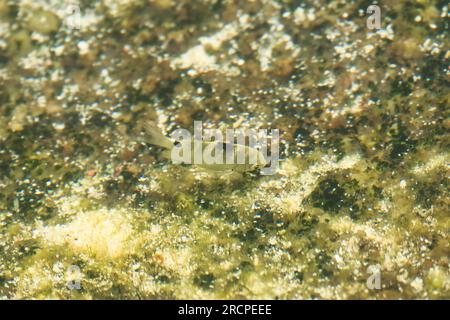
<point x="196" y="58"/>
<point x="434" y="162"/>
<point x="439" y="279"/>
<point x="199" y="59"/>
<point x="289" y="202"/>
<point x="105" y="234"/>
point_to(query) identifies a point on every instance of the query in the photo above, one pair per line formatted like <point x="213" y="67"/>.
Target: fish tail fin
<point x="154" y="136"/>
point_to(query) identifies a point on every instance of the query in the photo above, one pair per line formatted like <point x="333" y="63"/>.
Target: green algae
<point x="364" y="180"/>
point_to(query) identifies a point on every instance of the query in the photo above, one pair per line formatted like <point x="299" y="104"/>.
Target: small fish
<point x="155" y="137"/>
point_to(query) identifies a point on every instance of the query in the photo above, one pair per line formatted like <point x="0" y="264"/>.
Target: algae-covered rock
<point x="89" y="209"/>
<point x="43" y="21"/>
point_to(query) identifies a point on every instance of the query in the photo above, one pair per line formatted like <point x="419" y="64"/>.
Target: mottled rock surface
<point x="363" y="184"/>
